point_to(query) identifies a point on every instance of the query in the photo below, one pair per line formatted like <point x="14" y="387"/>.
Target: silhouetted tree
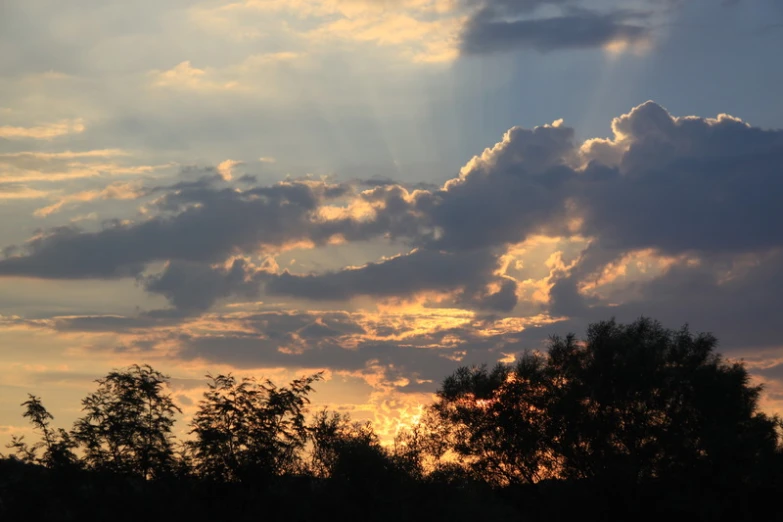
<point x="640" y="401"/>
<point x="345" y="450"/>
<point x="249" y="430"/>
<point x="496" y="420"/>
<point x="127" y="424"/>
<point x="631" y="403"/>
<point x="418" y="449"/>
<point x="634" y="418"/>
<point x="57" y="443"/>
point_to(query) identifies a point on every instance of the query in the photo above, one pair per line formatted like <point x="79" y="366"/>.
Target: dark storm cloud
<point x="489" y="31"/>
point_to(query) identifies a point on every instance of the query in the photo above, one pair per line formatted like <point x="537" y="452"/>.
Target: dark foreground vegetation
<point x="635" y="422"/>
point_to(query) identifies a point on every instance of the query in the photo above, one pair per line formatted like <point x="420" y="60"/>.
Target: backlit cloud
<point x="671" y="217"/>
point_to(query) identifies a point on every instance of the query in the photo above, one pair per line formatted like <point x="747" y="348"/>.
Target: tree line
<point x="633" y="418"/>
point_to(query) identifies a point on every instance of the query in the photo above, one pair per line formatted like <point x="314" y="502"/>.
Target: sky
<point x="384" y="190"/>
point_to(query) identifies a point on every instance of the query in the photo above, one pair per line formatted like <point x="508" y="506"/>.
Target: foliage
<point x="57" y="444"/>
<point x="127" y="424"/>
<point x="635" y="417"/>
<point x="632" y="403"/>
<point x="246" y="429"/>
<point x="345" y="450"/>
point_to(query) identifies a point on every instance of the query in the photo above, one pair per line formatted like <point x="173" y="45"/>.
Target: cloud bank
<point x="676" y="218"/>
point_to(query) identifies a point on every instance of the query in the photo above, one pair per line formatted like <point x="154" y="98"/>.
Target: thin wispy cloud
<point x="43" y="132"/>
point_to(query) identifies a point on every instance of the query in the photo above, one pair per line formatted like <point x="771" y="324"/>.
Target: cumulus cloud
<point x="677" y="218"/>
<point x="686" y="184"/>
<point x="681" y="192"/>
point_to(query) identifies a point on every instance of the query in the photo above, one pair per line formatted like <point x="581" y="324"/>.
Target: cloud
<point x="226" y="168"/>
<point x="422" y="31"/>
<point x="194" y="287"/>
<point x="381" y="348"/>
<point x="185" y="76"/>
<point x="67" y="154"/>
<point x="663" y="196"/>
<point x="74" y="171"/>
<point x="112" y="191"/>
<point x="686" y="184"/>
<point x="405" y="275"/>
<point x="512" y="190"/>
<point x="16" y="191"/>
<point x="43" y="132"/>
<point x="488" y="31"/>
<point x="198" y="223"/>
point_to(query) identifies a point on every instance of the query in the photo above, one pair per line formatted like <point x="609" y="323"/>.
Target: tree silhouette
<point x="345" y="450"/>
<point x="635" y="417"/>
<point x="496" y="420"/>
<point x="632" y="403"/>
<point x="249" y="430"/>
<point x="127" y="424"/>
<point x="57" y="444"/>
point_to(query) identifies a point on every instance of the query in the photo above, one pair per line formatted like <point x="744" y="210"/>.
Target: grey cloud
<point x="207" y="225"/>
<point x="706" y="188"/>
<point x="741" y="309"/>
<point x="514" y="6"/>
<point x="267" y="340"/>
<point x="517" y="189"/>
<point x="688" y="184"/>
<point x="339" y="341"/>
<point x="106" y="323"/>
<point x="194" y="287"/>
<point x="489" y="30"/>
<point x="405" y="274"/>
<point x="421" y="270"/>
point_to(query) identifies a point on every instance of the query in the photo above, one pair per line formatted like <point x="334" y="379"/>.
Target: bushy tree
<point x="345" y="450"/>
<point x="496" y="420"/>
<point x="630" y="403"/>
<point x="127" y="424"/>
<point x="249" y="430"/>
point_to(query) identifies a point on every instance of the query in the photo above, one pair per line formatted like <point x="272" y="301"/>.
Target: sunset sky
<point x="382" y="189"/>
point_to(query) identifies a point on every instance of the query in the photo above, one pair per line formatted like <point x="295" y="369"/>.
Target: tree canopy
<point x="630" y="402"/>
